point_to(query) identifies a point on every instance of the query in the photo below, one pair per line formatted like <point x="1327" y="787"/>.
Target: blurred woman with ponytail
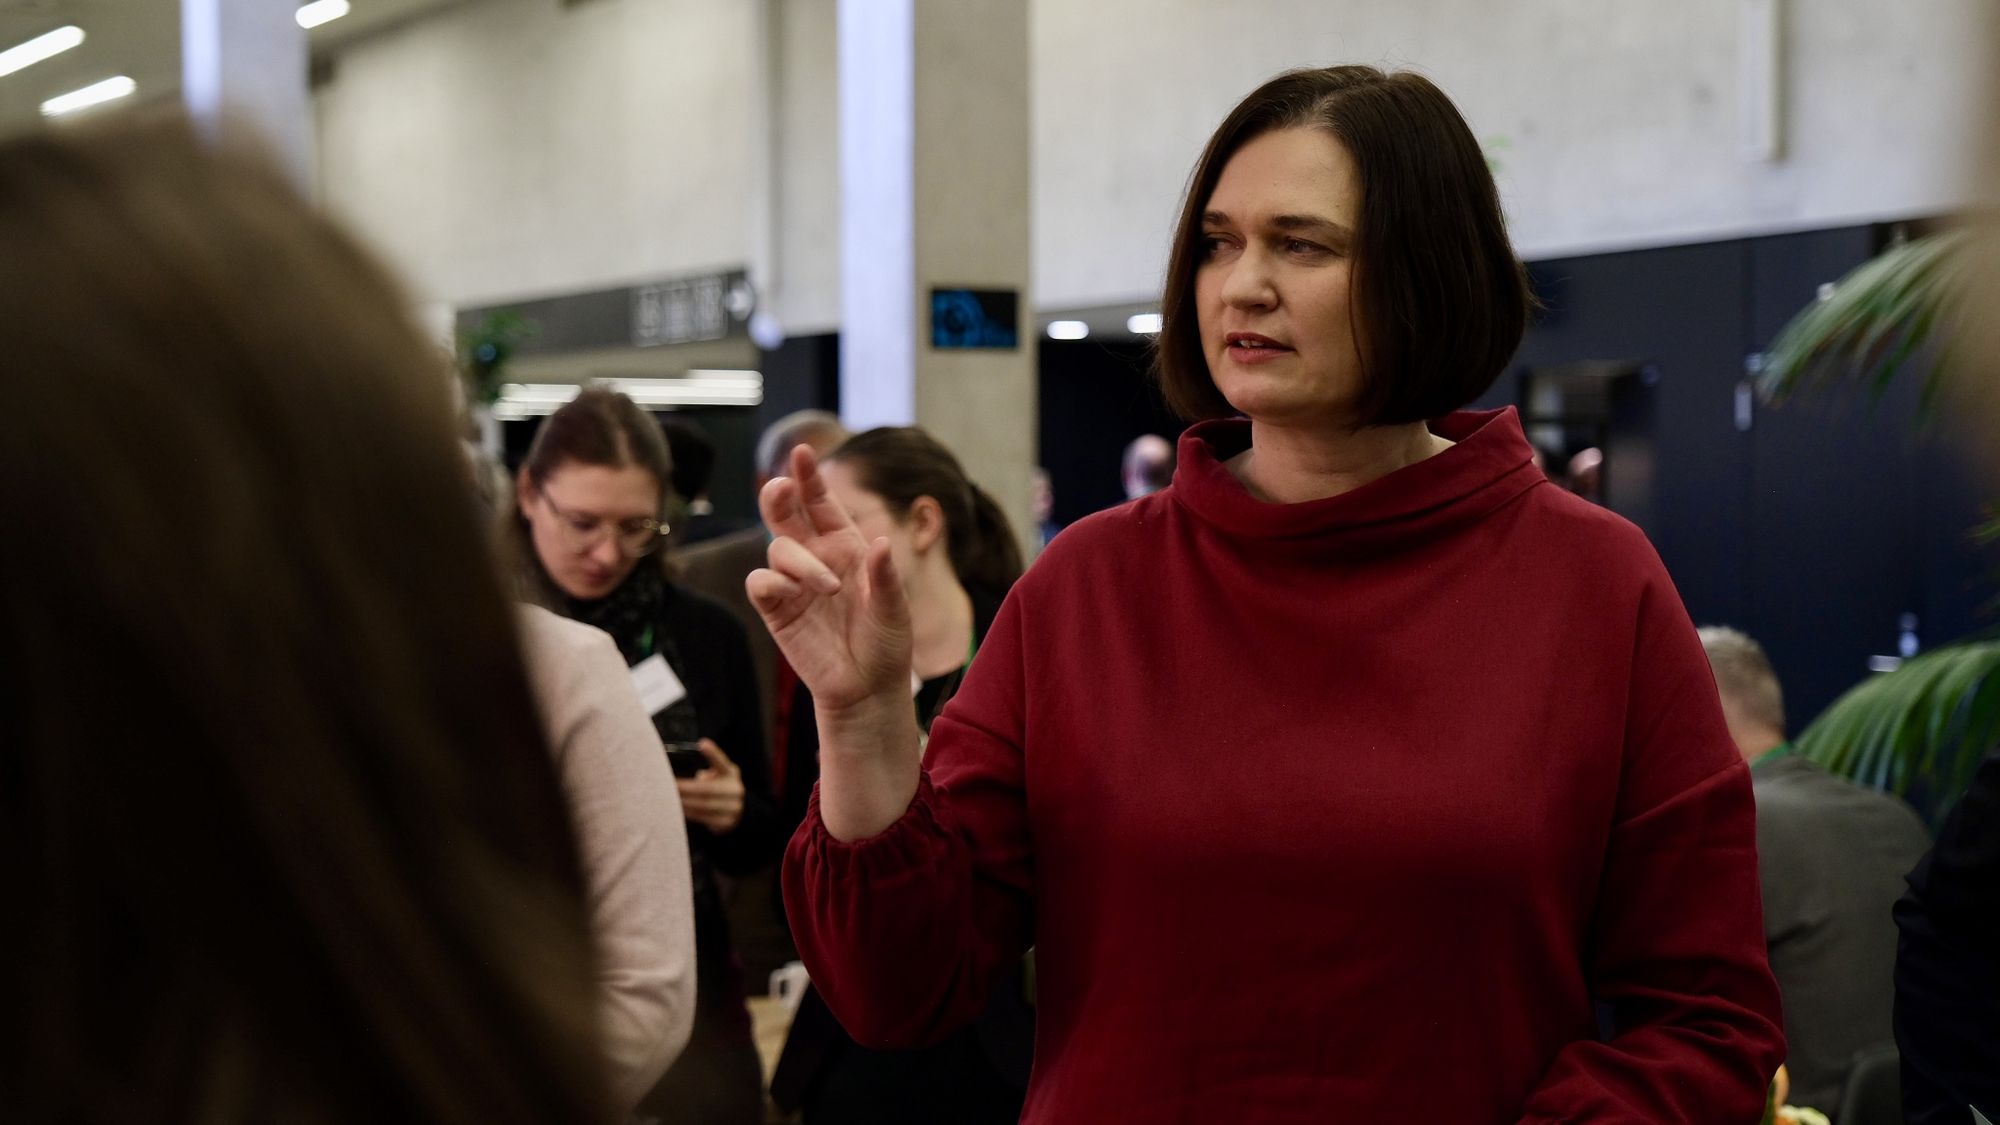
<point x="958" y="557"/>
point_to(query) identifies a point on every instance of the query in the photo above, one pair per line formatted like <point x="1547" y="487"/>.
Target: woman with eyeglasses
<point x="591" y="500"/>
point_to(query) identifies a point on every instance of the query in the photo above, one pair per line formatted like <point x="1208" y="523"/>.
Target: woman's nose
<point x="1249" y="282"/>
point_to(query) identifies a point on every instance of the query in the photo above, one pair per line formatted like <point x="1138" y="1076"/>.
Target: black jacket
<point x="1948" y="965"/>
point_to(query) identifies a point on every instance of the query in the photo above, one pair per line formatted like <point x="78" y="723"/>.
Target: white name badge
<point x="656" y="684"/>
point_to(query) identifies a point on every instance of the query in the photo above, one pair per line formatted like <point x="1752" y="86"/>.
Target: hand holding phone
<point x="686" y="758"/>
<point x="711" y="788"/>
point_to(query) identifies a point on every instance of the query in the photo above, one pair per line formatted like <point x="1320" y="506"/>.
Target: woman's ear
<point x="524" y="490"/>
<point x="926" y="520"/>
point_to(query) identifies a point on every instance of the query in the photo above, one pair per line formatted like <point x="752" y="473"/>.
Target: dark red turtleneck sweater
<point x="1337" y="811"/>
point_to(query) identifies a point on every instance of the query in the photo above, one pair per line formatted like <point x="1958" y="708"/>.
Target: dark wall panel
<point x="1678" y="311"/>
<point x="1095" y="398"/>
<point x="1833" y="497"/>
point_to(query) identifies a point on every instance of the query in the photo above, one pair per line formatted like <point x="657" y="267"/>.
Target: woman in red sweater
<point x="1344" y="778"/>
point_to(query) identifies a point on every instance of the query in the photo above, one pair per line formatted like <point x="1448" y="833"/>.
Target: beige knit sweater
<point x="633" y="839"/>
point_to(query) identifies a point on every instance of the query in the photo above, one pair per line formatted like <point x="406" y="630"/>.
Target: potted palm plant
<point x="1918" y="731"/>
<point x="482" y="357"/>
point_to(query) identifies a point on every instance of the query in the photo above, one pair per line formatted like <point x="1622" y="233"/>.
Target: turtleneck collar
<point x="1490" y="464"/>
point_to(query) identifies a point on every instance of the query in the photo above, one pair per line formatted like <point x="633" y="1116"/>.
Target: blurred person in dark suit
<point x="1147" y="465"/>
<point x="283" y="839"/>
<point x="1948" y="967"/>
<point x="1042" y="506"/>
<point x="694" y="469"/>
<point x="717" y="568"/>
<point x="1831" y="857"/>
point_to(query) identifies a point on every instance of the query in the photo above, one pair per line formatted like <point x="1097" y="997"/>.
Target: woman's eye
<point x="1210" y="244"/>
<point x="583" y="525"/>
<point x="1301" y="246"/>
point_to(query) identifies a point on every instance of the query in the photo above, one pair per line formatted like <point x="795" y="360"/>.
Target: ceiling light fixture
<point x="696" y="388"/>
<point x="39" y="48"/>
<point x="1068" y="330"/>
<point x="322" y="11"/>
<point x="97" y="93"/>
<point x="1143" y="324"/>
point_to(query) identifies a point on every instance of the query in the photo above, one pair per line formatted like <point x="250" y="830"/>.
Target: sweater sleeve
<point x="1676" y="942"/>
<point x="628" y="823"/>
<point x="905" y="932"/>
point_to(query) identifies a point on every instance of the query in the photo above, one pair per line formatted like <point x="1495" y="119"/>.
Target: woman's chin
<point x="1283" y="402"/>
<point x="586" y="589"/>
<point x="1282" y="406"/>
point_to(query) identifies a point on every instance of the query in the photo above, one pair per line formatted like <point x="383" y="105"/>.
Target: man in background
<point x="694" y="466"/>
<point x="1148" y="465"/>
<point x="717" y="568"/>
<point x="1042" y="505"/>
<point x="1832" y="856"/>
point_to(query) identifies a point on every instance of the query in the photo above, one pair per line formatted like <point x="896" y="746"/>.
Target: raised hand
<point x="831" y="599"/>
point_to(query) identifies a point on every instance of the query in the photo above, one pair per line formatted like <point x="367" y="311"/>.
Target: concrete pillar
<point x="934" y="195"/>
<point x="244" y="70"/>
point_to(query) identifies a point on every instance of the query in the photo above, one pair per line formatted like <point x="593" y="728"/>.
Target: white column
<point x="935" y="194"/>
<point x="244" y="72"/>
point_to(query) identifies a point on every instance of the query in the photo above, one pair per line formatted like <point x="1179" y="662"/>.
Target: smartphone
<point x="686" y="758"/>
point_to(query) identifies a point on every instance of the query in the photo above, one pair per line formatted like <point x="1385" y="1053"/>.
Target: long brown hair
<point x="597" y="427"/>
<point x="1440" y="300"/>
<point x="283" y="840"/>
<point x="901" y="464"/>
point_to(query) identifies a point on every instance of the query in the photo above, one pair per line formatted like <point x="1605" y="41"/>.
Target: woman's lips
<point x="1249" y="347"/>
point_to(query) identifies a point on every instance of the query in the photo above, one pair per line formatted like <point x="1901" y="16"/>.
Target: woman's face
<point x="574" y="519"/>
<point x="1272" y="291"/>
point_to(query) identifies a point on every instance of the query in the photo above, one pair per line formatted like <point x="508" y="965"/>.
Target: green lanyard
<point x="1781" y="750"/>
<point x="646" y="642"/>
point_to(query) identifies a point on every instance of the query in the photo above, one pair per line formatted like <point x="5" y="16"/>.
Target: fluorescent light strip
<point x="39" y="48"/>
<point x="699" y="388"/>
<point x="322" y="11"/>
<point x="109" y="90"/>
<point x="1143" y="324"/>
<point x="1068" y="330"/>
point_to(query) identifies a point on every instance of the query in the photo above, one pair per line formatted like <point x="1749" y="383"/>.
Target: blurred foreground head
<point x="281" y="838"/>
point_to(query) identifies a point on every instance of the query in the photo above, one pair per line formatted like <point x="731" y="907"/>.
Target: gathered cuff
<point x="913" y="843"/>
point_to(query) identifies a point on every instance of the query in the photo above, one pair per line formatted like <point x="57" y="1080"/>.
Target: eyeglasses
<point x="581" y="533"/>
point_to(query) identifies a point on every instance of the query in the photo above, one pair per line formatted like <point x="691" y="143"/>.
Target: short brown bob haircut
<point x="1440" y="299"/>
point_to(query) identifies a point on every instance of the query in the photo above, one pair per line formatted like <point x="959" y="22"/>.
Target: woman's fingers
<point x="770" y="591"/>
<point x="821" y="509"/>
<point x="885" y="587"/>
<point x="715" y="755"/>
<point x="790" y="558"/>
<point x="782" y="512"/>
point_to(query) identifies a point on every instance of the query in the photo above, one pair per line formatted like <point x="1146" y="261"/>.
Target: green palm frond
<point x="1918" y="732"/>
<point x="1874" y="321"/>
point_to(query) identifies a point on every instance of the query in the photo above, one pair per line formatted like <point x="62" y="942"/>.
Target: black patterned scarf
<point x="634" y="616"/>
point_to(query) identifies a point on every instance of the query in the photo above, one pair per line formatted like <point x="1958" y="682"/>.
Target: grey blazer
<point x="1832" y="856"/>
